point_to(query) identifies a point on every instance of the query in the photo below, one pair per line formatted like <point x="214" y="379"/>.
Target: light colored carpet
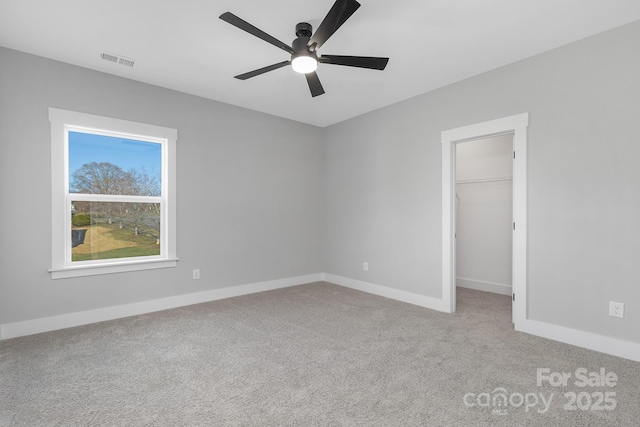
<point x="311" y="355"/>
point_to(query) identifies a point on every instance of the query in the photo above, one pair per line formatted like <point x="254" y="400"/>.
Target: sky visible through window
<point x="125" y="153"/>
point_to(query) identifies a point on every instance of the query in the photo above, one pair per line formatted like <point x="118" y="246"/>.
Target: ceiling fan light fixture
<point x="304" y="64"/>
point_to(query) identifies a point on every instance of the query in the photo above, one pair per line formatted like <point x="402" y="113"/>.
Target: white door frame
<point x="518" y="126"/>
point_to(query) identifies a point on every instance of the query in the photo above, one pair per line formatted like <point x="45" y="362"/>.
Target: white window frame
<point x="63" y="121"/>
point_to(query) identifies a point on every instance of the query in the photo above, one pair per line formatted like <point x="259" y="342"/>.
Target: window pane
<point x="101" y="164"/>
<point x="107" y="230"/>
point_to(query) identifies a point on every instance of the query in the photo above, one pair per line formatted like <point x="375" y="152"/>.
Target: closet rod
<point x="481" y="180"/>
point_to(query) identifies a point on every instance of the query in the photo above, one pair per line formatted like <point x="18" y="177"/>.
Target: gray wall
<point x="248" y="209"/>
<point x="383" y="182"/>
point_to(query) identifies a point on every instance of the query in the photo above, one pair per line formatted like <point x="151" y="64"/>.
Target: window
<point x="113" y="195"/>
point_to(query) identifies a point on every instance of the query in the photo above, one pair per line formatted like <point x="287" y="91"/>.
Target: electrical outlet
<point x="196" y="273"/>
<point x="616" y="309"/>
<point x="365" y="266"/>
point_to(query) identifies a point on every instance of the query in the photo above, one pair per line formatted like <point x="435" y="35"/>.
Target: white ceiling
<point x="182" y="45"/>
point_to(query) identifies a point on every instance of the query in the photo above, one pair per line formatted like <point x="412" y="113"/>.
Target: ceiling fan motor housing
<point x="300" y="44"/>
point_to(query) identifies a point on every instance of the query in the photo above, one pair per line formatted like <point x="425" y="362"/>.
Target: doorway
<point x="517" y="126"/>
<point x="484" y="215"/>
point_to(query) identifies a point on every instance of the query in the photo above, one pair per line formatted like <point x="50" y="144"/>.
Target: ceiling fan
<point x="304" y="49"/>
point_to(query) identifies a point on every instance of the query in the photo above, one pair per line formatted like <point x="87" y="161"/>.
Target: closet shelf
<point x="481" y="180"/>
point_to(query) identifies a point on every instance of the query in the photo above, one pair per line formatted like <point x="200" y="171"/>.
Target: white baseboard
<point x="479" y="285"/>
<point x="47" y="324"/>
<point x="603" y="344"/>
<point x="600" y="343"/>
<point x="383" y="291"/>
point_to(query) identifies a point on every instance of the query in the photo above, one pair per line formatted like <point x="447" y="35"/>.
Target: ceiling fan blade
<point x="244" y="25"/>
<point x="370" y="62"/>
<point x="262" y="70"/>
<point x="339" y="13"/>
<point x="314" y="84"/>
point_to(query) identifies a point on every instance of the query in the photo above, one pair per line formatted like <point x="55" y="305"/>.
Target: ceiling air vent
<point x="126" y="61"/>
<point x="118" y="59"/>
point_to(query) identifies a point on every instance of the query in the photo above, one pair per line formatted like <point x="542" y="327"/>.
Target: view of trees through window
<point x="115" y="188"/>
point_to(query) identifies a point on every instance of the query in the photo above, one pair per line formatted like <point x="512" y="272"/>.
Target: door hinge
<point x="514" y="226"/>
<point x="514" y="297"/>
<point x="514" y="154"/>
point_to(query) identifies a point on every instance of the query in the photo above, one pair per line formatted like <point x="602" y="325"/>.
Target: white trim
<point x="81" y="197"/>
<point x="518" y="125"/>
<point x="132" y="264"/>
<point x="448" y="225"/>
<point x="603" y="344"/>
<point x="47" y="324"/>
<point x="383" y="291"/>
<point x="479" y="285"/>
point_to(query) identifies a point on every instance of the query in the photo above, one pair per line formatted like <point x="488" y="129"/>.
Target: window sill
<point x="93" y="270"/>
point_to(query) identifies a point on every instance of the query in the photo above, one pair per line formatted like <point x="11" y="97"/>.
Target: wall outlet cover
<point x="616" y="309"/>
